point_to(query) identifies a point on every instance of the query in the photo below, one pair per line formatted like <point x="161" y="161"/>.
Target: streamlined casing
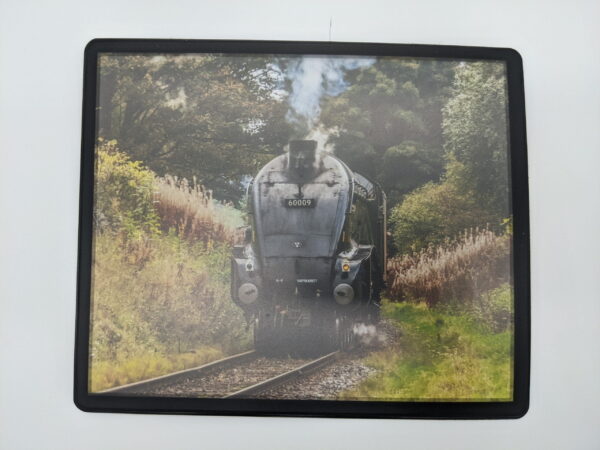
<point x="317" y="241"/>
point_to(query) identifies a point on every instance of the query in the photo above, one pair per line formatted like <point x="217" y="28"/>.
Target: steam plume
<point x="368" y="334"/>
<point x="310" y="78"/>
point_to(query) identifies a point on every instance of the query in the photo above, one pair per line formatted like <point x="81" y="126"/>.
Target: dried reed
<point x="190" y="210"/>
<point x="460" y="269"/>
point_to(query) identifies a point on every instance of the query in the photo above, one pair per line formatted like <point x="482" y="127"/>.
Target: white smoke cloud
<point x="312" y="77"/>
<point x="321" y="135"/>
<point x="368" y="334"/>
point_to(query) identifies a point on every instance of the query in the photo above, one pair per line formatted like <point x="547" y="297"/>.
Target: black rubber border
<point x="310" y="408"/>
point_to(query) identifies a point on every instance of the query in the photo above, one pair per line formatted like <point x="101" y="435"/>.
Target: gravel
<point x="344" y="374"/>
<point x="226" y="381"/>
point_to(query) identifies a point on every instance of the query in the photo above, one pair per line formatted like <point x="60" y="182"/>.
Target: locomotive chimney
<point x="303" y="159"/>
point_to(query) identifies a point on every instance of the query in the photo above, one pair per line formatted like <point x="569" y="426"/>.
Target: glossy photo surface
<point x="303" y="229"/>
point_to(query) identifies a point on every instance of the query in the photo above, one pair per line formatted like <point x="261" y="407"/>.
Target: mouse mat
<point x="303" y="229"/>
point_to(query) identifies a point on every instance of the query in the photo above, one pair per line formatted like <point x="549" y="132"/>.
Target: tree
<point x="387" y="124"/>
<point x="476" y="133"/>
<point x="407" y="165"/>
<point x="213" y="118"/>
<point x="436" y="211"/>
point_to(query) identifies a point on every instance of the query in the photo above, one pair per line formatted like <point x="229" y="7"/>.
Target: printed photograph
<point x="304" y="227"/>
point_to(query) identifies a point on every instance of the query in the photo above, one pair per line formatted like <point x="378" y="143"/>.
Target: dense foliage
<point x="401" y="122"/>
<point x="194" y="115"/>
<point x="435" y="212"/>
<point x="388" y="124"/>
<point x="474" y="188"/>
<point x="476" y="132"/>
<point x="124" y="193"/>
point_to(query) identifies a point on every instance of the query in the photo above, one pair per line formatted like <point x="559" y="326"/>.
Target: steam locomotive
<point x="313" y="260"/>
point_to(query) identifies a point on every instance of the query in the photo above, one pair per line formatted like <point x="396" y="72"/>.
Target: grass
<point x="442" y="355"/>
<point x="453" y="308"/>
<point x="107" y="374"/>
<point x="148" y="314"/>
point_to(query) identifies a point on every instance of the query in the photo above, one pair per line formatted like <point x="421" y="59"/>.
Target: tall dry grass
<point x="190" y="210"/>
<point x="461" y="269"/>
<point x="147" y="315"/>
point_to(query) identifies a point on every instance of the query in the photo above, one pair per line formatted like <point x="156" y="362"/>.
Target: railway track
<point x="245" y="375"/>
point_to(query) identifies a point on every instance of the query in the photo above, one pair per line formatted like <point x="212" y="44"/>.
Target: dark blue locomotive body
<point x="313" y="261"/>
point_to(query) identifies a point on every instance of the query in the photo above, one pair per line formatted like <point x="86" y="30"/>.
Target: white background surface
<point x="41" y="67"/>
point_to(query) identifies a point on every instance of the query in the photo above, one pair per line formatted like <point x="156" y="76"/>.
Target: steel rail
<point x="285" y="377"/>
<point x="175" y="376"/>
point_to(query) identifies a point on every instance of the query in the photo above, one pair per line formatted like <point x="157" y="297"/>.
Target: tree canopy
<point x="476" y="133"/>
<point x="207" y="116"/>
<point x="388" y="123"/>
<point x="474" y="190"/>
<point x="433" y="133"/>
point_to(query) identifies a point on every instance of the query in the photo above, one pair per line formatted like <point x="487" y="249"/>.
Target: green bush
<point x="495" y="308"/>
<point x="124" y="193"/>
<point x="436" y="211"/>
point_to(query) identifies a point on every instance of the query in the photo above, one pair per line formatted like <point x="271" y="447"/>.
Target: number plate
<point x="299" y="202"/>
